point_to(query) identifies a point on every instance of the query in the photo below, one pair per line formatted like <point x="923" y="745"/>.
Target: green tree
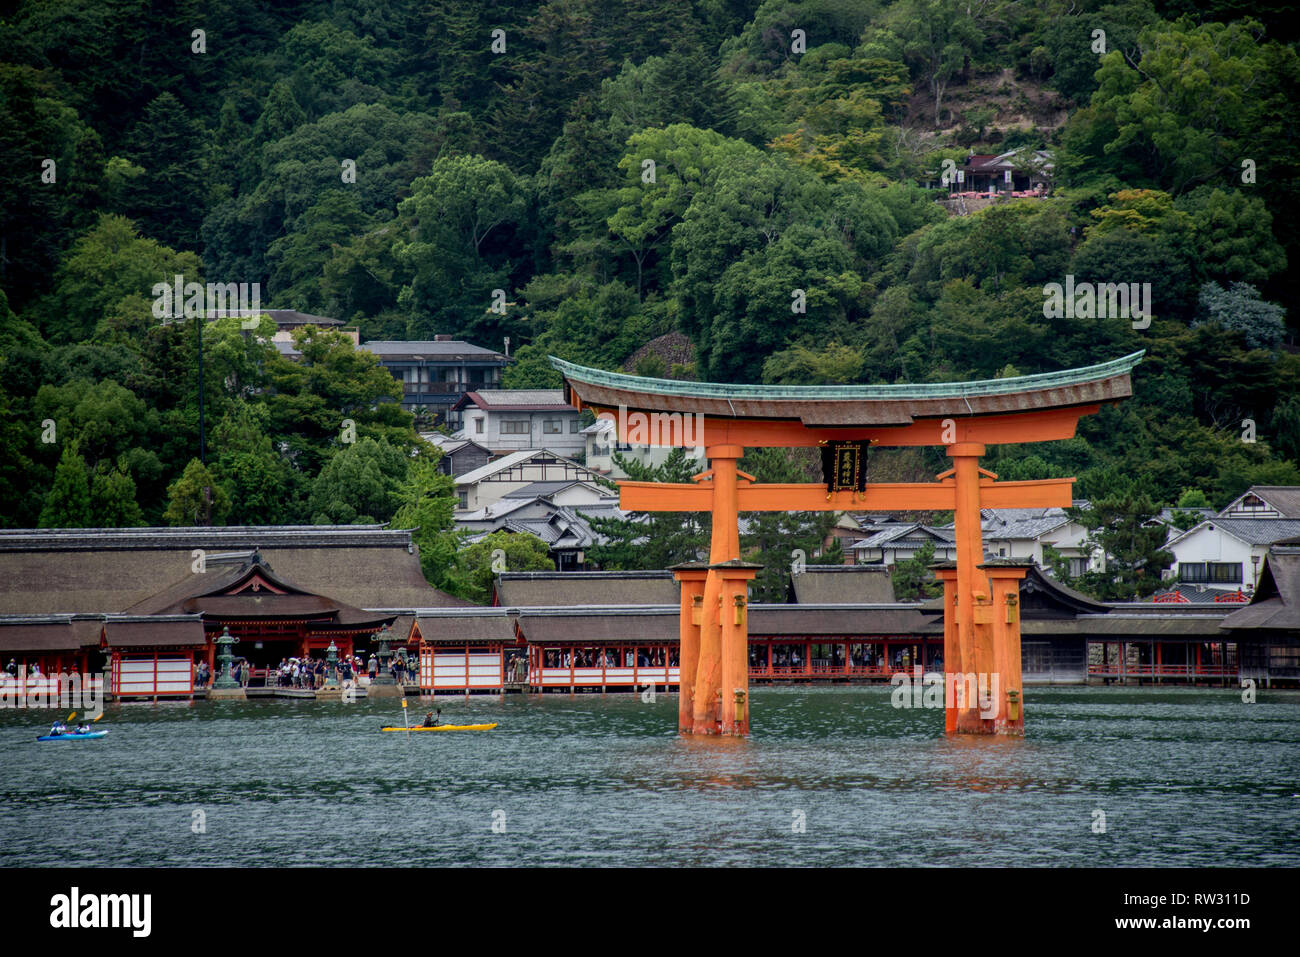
<point x="112" y="499"/>
<point x="1183" y="113"/>
<point x="196" y="498"/>
<point x="330" y="383"/>
<point x="1234" y="234"/>
<point x="640" y="216"/>
<point x="37" y="218"/>
<point x="168" y="200"/>
<point x="1182" y="517"/>
<point x="262" y="488"/>
<point x="563" y="56"/>
<point x="1119" y="519"/>
<point x="457" y="218"/>
<point x="359" y="485"/>
<point x="651" y="539"/>
<point x="832" y="364"/>
<point x="108" y="264"/>
<point x="428" y="500"/>
<point x="68" y="503"/>
<point x="937" y="38"/>
<point x="760" y="286"/>
<point x="775" y="539"/>
<point x="913" y="579"/>
<point x="296" y="260"/>
<point x="521" y="552"/>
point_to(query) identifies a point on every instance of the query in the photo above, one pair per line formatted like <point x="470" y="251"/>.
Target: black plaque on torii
<point x="844" y="466"/>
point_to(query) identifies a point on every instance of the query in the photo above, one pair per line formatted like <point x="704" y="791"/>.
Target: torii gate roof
<point x="853" y="406"/>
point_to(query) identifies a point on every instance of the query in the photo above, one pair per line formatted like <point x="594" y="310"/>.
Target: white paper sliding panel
<point x="485" y="671"/>
<point x="149" y="676"/>
<point x="175" y="676"/>
<point x="445" y="670"/>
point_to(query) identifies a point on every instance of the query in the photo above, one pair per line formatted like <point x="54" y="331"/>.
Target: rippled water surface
<point x="1183" y="777"/>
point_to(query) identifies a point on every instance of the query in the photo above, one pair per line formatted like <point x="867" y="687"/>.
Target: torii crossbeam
<point x="981" y="618"/>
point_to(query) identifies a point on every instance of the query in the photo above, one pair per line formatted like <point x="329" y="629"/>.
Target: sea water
<point x="830" y="777"/>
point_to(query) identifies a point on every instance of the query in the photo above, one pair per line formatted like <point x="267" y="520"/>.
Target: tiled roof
<point x="891" y="534"/>
<point x="45" y="571"/>
<point x="842" y="584"/>
<point x="534" y="489"/>
<point x="518" y="458"/>
<point x="1252" y="531"/>
<point x="1276" y="604"/>
<point x="442" y="348"/>
<point x="517" y="400"/>
<point x="1284" y="498"/>
<point x="587" y="588"/>
<point x="1023" y="528"/>
<point x="1195" y="594"/>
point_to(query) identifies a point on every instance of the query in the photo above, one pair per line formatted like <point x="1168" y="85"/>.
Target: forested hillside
<point x="621" y="171"/>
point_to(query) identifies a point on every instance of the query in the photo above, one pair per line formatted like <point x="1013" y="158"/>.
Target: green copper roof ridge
<point x="902" y="390"/>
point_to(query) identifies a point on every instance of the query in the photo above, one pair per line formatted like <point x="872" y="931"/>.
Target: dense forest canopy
<point x="625" y="169"/>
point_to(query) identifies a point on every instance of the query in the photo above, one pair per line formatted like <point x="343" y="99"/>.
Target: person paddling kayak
<point x="430" y="721"/>
<point x="59" y="727"/>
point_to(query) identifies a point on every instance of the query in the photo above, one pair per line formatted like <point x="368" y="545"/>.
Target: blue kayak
<point x="72" y="736"/>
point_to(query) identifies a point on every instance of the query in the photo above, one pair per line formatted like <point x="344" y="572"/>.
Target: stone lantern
<point x="332" y="665"/>
<point x="225" y="659"/>
<point x="384" y="676"/>
<point x="383" y="684"/>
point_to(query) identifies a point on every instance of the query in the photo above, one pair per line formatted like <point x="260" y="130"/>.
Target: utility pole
<point x="198" y="324"/>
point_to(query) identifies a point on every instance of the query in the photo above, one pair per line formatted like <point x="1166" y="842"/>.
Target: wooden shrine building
<point x="146" y="604"/>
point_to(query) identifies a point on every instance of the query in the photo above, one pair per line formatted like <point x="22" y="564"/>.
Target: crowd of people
<point x="612" y="658"/>
<point x="861" y="656"/>
<point x="312" y="673"/>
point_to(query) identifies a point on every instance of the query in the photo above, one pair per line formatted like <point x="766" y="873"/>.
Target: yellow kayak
<point x="449" y="727"/>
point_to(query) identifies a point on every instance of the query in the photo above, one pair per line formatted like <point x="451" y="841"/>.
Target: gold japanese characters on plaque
<point x="844" y="466"/>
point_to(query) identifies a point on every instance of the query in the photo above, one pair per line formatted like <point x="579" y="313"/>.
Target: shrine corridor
<point x="832" y="776"/>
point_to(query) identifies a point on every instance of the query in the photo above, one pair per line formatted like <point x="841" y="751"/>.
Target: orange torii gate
<point x="981" y="617"/>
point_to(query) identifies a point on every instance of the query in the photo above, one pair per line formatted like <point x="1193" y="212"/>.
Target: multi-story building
<point x="540" y="470"/>
<point x="1226" y="551"/>
<point x="458" y="455"/>
<point x="435" y="374"/>
<point x="511" y="420"/>
<point x="1023" y="532"/>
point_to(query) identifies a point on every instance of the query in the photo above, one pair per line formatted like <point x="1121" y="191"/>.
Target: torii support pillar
<point x="1004" y="580"/>
<point x="974" y="638"/>
<point x="722" y="668"/>
<point x="997" y="617"/>
<point x="690" y="578"/>
<point x="733" y="622"/>
<point x="952" y="657"/>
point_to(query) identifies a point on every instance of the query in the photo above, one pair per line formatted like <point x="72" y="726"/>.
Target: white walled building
<point x="1265" y="501"/>
<point x="1022" y="533"/>
<point x="509" y="420"/>
<point x="1227" y="552"/>
<point x="601" y="444"/>
<point x="895" y="544"/>
<point x="549" y="473"/>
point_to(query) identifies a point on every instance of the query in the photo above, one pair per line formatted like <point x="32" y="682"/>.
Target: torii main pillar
<point x="981" y="614"/>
